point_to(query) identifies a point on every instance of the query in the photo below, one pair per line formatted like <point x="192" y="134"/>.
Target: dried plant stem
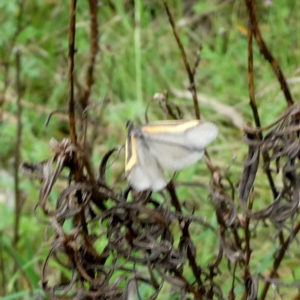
<point x="84" y="99"/>
<point x="185" y="60"/>
<point x="266" y="158"/>
<point x="248" y="249"/>
<point x="77" y="169"/>
<point x="266" y="52"/>
<point x="186" y="235"/>
<point x="93" y="51"/>
<point x="231" y="292"/>
<point x="197" y="61"/>
<point x="17" y="147"/>
<point x="71" y="71"/>
<point x="191" y="74"/>
<point x="251" y="81"/>
<point x="253" y="105"/>
<point x="254" y="30"/>
<point x="190" y="288"/>
<point x="18" y="198"/>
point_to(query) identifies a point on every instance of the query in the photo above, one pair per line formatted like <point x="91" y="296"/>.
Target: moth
<point x="165" y="145"/>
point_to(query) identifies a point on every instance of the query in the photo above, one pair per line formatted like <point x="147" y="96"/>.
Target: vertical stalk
<point x="18" y="204"/>
<point x="137" y="48"/>
<point x="71" y="71"/>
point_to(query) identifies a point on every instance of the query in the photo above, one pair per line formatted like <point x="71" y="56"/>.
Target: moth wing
<point x="201" y="135"/>
<point x="173" y="157"/>
<point x="181" y="145"/>
<point x="193" y="134"/>
<point x="146" y="173"/>
<point x="138" y="179"/>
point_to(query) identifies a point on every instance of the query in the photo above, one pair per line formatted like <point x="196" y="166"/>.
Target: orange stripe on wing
<point x="130" y="153"/>
<point x="169" y="128"/>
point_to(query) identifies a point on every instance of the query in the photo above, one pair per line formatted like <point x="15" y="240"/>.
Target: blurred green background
<point x="136" y="61"/>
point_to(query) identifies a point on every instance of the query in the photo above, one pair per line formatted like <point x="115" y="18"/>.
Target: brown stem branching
<point x="190" y="72"/>
<point x="266" y="52"/>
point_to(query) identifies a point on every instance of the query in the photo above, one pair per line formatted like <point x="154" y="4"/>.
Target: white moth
<point x="164" y="145"/>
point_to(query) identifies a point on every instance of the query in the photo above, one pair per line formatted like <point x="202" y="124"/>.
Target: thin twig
<point x="186" y="235"/>
<point x="266" y="52"/>
<point x="57" y="111"/>
<point x="191" y="74"/>
<point x="84" y="99"/>
<point x="231" y="292"/>
<point x="93" y="51"/>
<point x="251" y="81"/>
<point x="77" y="169"/>
<point x="18" y="200"/>
<point x="197" y="61"/>
<point x="253" y="105"/>
<point x="71" y="70"/>
<point x="252" y="29"/>
<point x="185" y="60"/>
<point x="248" y="249"/>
